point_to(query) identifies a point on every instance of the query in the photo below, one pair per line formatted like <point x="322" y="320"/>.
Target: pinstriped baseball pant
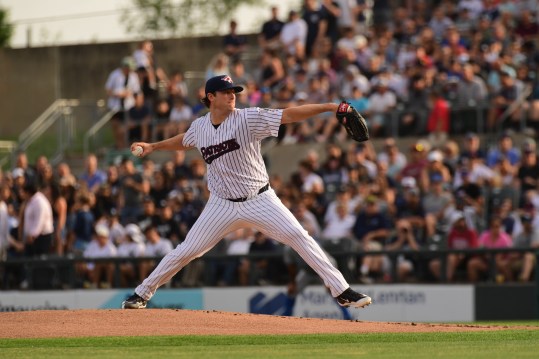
<point x="265" y="213"/>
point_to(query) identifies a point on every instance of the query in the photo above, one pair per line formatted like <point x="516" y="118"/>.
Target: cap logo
<point x="227" y="79"/>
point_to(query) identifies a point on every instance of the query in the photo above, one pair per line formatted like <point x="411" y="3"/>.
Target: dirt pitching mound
<point x="148" y="322"/>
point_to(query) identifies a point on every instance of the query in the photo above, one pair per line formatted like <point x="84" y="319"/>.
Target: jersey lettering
<point x="213" y="152"/>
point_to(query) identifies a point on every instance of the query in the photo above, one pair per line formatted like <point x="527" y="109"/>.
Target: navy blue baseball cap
<point x="221" y="83"/>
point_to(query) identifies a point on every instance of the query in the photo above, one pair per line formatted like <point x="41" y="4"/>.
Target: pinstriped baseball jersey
<point x="232" y="150"/>
<point x="236" y="170"/>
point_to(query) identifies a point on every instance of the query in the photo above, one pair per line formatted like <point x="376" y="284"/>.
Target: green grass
<point x="487" y="344"/>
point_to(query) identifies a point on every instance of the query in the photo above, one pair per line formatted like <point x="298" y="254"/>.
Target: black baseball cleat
<point x="134" y="302"/>
<point x="350" y="298"/>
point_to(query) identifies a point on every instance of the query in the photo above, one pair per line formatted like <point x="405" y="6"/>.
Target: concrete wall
<point x="31" y="79"/>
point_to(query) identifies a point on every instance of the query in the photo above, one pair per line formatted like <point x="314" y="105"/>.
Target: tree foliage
<point x="6" y="29"/>
<point x="154" y="18"/>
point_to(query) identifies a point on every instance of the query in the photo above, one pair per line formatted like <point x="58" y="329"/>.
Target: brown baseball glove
<point x="353" y="122"/>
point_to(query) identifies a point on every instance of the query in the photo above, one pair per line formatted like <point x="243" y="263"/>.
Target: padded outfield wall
<point x="399" y="302"/>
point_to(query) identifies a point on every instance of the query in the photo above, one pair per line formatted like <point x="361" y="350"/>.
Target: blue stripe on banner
<point x="164" y="298"/>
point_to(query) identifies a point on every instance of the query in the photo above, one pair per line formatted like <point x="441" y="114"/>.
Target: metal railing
<point x="60" y="112"/>
<point x="514" y="106"/>
<point x="66" y="265"/>
<point x="93" y="131"/>
<point x="6" y="147"/>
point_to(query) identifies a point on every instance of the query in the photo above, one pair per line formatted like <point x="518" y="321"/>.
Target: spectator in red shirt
<point x="438" y="121"/>
<point x="417" y="162"/>
<point x="527" y="29"/>
<point x="460" y="237"/>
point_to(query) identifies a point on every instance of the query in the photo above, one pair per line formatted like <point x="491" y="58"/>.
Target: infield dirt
<point x="148" y="322"/>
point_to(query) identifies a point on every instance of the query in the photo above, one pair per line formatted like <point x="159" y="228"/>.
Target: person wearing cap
<point x="229" y="141"/>
<point x="132" y="246"/>
<point x="381" y="101"/>
<point x="416" y="162"/>
<point x="392" y="155"/>
<point x="371" y="229"/>
<point x="437" y="202"/>
<point x="523" y="263"/>
<point x="99" y="273"/>
<point x="156" y="246"/>
<point x="502" y="99"/>
<point x="435" y="166"/>
<point x="472" y="147"/>
<point x="122" y="86"/>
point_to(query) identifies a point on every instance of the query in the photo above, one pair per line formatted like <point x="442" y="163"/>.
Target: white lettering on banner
<point x="22" y="308"/>
<point x="314" y="297"/>
<point x="320" y="314"/>
<point x="399" y="297"/>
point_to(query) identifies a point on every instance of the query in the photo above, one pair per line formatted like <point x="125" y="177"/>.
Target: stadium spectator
<point x="149" y="214"/>
<point x="132" y="188"/>
<point x="122" y="87"/>
<point x="260" y="271"/>
<point x="99" y="273"/>
<point x="92" y="177"/>
<point x="293" y="36"/>
<point x="503" y="150"/>
<point x="269" y="37"/>
<point x="460" y="237"/>
<point x="156" y="246"/>
<point x="405" y="240"/>
<point x="219" y="65"/>
<point x="234" y="45"/>
<point x="177" y="87"/>
<point x="438" y="121"/>
<point x="82" y="228"/>
<point x="528" y="173"/>
<point x="493" y="237"/>
<point x="381" y="102"/>
<point x="59" y="213"/>
<point x="330" y="12"/>
<point x="161" y="120"/>
<point x="523" y="263"/>
<point x="139" y="118"/>
<point x="371" y="229"/>
<point x="131" y="246"/>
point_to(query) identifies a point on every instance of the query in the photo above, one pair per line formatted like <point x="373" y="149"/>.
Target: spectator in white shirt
<point x="339" y="227"/>
<point x="132" y="246"/>
<point x="294" y="35"/>
<point x="122" y="86"/>
<point x="381" y="102"/>
<point x="311" y="182"/>
<point x="99" y="273"/>
<point x="156" y="246"/>
<point x="439" y="23"/>
<point x="38" y="226"/>
<point x="337" y="236"/>
<point x="181" y="117"/>
<point x="4" y="230"/>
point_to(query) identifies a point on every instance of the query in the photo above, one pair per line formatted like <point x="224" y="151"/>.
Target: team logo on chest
<point x="213" y="152"/>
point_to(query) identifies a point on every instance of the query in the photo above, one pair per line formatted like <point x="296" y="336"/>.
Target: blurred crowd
<point x="445" y="71"/>
<point x="412" y="67"/>
<point x="351" y="199"/>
